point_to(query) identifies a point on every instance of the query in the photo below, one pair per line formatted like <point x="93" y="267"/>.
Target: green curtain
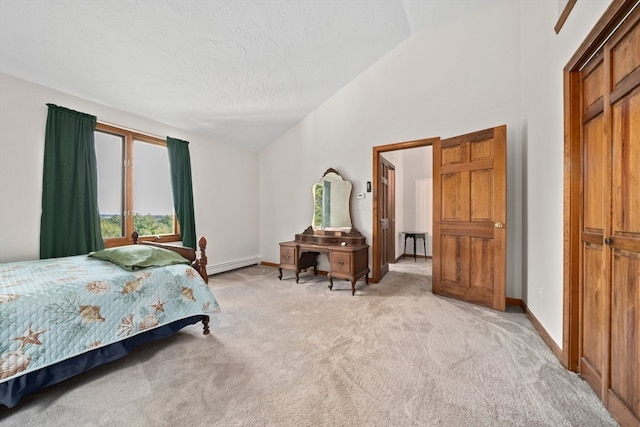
<point x="181" y="184"/>
<point x="70" y="220"/>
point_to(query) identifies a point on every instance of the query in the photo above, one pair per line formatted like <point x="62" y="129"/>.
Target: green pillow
<point x="140" y="256"/>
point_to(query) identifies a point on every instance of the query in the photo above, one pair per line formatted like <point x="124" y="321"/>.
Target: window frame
<point x="129" y="137"/>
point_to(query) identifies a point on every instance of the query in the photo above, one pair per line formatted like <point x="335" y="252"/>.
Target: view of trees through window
<point x="145" y="225"/>
<point x="134" y="186"/>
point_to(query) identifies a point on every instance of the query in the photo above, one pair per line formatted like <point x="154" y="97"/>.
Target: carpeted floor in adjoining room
<point x="407" y="264"/>
<point x="287" y="354"/>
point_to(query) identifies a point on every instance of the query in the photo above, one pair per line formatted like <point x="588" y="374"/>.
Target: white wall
<point x="544" y="56"/>
<point x="449" y="80"/>
<point x="224" y="178"/>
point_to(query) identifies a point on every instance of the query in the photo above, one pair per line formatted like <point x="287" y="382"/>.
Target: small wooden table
<point x="415" y="235"/>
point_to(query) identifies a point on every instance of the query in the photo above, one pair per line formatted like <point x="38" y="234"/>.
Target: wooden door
<point x="469" y="217"/>
<point x="610" y="223"/>
<point x="624" y="256"/>
<point x="391" y="255"/>
<point x="624" y="242"/>
<point x="385" y="212"/>
<point x="595" y="291"/>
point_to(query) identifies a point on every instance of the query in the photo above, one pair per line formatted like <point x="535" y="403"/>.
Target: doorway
<point x="381" y="246"/>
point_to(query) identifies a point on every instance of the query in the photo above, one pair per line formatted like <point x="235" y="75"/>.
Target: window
<point x="134" y="187"/>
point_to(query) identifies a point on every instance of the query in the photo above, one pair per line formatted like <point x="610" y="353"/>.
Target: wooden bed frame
<point x="200" y="264"/>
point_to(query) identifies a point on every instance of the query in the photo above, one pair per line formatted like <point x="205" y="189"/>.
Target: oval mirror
<point x="331" y="203"/>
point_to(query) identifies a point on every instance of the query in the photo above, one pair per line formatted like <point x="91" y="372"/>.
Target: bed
<point x="60" y="317"/>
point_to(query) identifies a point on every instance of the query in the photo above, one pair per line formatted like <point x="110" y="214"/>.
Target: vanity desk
<point x="348" y="261"/>
<point x="330" y="234"/>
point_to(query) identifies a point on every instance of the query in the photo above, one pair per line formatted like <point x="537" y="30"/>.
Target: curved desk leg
<point x="353" y="287"/>
<point x="330" y="282"/>
<point x="280" y="273"/>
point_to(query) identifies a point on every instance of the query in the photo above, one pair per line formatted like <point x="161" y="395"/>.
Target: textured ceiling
<point x="241" y="72"/>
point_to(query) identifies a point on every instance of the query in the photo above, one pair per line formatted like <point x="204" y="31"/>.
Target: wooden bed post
<point x="202" y="269"/>
<point x="199" y="264"/>
<point x="202" y="262"/>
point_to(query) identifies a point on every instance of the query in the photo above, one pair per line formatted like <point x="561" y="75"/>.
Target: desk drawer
<point x="341" y="262"/>
<point x="288" y="255"/>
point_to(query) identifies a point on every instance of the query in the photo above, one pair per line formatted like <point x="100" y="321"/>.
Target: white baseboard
<point x="232" y="265"/>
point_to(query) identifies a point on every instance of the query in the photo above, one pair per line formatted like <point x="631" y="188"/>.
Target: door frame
<point x="377" y="151"/>
<point x="571" y="315"/>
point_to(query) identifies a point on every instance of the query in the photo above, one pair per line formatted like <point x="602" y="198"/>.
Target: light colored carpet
<point x="420" y="266"/>
<point x="287" y="354"/>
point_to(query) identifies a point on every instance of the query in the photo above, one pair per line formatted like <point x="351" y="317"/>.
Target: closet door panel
<point x="625" y="329"/>
<point x="626" y="172"/>
<point x="594" y="178"/>
<point x="594" y="299"/>
<point x="594" y="292"/>
<point x="625" y="251"/>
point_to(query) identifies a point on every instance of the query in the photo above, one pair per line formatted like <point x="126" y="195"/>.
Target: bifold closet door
<point x="610" y="223"/>
<point x="624" y="238"/>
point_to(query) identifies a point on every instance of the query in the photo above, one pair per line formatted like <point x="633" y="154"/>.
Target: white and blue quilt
<point x="54" y="309"/>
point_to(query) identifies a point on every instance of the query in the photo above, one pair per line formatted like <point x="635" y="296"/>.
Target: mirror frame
<point x="344" y="211"/>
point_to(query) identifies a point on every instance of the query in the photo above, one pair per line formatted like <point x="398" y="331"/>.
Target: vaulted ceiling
<point x="240" y="72"/>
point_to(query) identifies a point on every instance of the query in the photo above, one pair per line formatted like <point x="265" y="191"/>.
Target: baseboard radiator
<point x="232" y="265"/>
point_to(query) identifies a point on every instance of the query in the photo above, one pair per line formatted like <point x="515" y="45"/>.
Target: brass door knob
<point x="498" y="225"/>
